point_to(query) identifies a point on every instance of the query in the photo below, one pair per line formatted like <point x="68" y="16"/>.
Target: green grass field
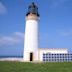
<point x="35" y="67"/>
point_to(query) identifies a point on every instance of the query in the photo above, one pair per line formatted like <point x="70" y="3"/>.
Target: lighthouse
<point x="31" y="34"/>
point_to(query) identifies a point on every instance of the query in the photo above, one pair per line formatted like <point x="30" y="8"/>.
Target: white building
<point x="31" y="50"/>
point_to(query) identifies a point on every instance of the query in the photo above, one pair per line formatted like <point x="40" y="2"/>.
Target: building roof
<point x="53" y="49"/>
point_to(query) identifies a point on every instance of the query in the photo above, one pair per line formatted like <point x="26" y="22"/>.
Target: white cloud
<point x="14" y="38"/>
<point x="3" y="9"/>
<point x="19" y="34"/>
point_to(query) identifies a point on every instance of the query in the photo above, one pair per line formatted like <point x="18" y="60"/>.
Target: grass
<point x="35" y="67"/>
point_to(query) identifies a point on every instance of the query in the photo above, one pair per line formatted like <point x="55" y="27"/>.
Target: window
<point x="57" y="57"/>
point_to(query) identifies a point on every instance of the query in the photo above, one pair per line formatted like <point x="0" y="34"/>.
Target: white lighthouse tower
<point x="31" y="34"/>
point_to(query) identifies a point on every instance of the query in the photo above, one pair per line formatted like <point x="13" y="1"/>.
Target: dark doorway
<point x="31" y="56"/>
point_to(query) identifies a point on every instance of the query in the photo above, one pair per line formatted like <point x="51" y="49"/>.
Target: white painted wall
<point x="53" y="51"/>
<point x="31" y="40"/>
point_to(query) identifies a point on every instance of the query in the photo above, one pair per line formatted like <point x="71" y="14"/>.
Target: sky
<point x="55" y="26"/>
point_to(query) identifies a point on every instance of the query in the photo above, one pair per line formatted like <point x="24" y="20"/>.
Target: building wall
<point x="51" y="51"/>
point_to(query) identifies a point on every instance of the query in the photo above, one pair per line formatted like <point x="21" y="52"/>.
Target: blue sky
<point x="55" y="26"/>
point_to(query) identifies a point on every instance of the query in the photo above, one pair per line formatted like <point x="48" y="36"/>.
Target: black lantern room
<point x="32" y="9"/>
